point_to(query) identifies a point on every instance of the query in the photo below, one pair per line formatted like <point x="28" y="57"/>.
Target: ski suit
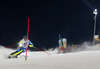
<point x="22" y="43"/>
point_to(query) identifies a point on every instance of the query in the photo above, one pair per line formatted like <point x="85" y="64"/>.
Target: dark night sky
<point x="72" y="18"/>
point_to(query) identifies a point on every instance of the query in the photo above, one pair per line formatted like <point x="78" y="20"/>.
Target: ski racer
<point x="22" y="47"/>
<point x="62" y="43"/>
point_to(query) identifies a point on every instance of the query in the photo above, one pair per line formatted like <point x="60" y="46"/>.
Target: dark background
<point x="71" y="18"/>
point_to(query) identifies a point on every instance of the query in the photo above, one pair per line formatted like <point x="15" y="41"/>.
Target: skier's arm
<point x="31" y="44"/>
<point x="20" y="43"/>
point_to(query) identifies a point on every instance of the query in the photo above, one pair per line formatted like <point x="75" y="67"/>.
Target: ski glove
<point x="31" y="46"/>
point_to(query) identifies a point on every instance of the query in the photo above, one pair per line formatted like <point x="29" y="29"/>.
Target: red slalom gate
<point x="11" y="46"/>
<point x="27" y="38"/>
<point x="44" y="51"/>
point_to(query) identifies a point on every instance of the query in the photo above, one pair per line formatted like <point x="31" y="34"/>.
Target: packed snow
<point x="40" y="60"/>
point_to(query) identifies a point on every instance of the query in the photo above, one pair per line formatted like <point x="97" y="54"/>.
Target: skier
<point x="22" y="47"/>
<point x="62" y="43"/>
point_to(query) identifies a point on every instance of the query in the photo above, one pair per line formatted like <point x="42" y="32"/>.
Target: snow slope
<point x="41" y="60"/>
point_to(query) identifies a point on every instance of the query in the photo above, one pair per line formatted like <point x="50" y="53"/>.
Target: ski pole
<point x="42" y="50"/>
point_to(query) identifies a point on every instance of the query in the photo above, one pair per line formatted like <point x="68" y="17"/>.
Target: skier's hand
<point x="31" y="46"/>
<point x="20" y="45"/>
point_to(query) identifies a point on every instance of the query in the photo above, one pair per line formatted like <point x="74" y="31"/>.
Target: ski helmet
<point x="25" y="36"/>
